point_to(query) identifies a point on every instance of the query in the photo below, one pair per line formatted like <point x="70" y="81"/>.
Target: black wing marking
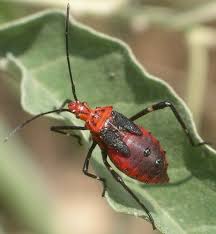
<point x="112" y="139"/>
<point x="124" y="123"/>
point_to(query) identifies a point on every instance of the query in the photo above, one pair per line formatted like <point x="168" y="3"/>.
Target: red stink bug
<point x="131" y="148"/>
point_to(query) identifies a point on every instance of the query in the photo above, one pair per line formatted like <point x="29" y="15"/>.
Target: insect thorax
<point x="112" y="133"/>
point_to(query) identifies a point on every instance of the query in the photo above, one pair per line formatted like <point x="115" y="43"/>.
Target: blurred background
<point x="174" y="40"/>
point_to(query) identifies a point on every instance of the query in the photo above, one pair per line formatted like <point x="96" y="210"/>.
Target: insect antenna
<point x="67" y="53"/>
<point x="22" y="125"/>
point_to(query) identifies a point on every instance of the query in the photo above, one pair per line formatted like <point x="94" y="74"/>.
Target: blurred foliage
<point x="12" y="10"/>
<point x="173" y="14"/>
<point x="23" y="198"/>
<point x="178" y="15"/>
<point x="178" y="5"/>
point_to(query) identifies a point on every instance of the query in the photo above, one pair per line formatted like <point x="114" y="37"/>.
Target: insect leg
<point x="162" y="105"/>
<point x="118" y="178"/>
<point x="66" y="101"/>
<point x="86" y="166"/>
<point x="64" y="129"/>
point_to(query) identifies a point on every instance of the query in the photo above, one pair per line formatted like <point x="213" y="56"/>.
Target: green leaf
<point x="22" y="191"/>
<point x="106" y="73"/>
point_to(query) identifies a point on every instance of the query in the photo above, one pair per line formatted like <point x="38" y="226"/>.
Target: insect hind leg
<point x="165" y="104"/>
<point x="118" y="178"/>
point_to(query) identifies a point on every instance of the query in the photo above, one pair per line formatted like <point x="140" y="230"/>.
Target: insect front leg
<point x="64" y="130"/>
<point x="86" y="167"/>
<point x="118" y="178"/>
<point x="66" y="101"/>
<point x="59" y="110"/>
<point x="162" y="105"/>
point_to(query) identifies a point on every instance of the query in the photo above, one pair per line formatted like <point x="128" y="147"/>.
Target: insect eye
<point x="147" y="152"/>
<point x="158" y="162"/>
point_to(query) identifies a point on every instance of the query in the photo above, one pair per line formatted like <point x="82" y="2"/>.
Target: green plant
<point x="23" y="196"/>
<point x="106" y="73"/>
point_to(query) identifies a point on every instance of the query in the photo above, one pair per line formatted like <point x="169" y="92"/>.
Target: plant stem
<point x="199" y="40"/>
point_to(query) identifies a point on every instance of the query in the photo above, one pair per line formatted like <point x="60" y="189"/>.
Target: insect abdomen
<point x="146" y="161"/>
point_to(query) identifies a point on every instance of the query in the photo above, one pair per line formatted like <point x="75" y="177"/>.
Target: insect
<point x="131" y="148"/>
